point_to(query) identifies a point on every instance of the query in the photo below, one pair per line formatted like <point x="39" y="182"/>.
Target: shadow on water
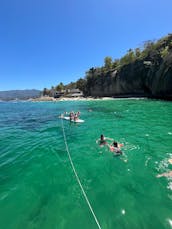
<point x="118" y="115"/>
<point x="36" y="215"/>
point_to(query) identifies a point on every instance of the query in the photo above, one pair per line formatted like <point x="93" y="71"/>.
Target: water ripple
<point x="37" y="185"/>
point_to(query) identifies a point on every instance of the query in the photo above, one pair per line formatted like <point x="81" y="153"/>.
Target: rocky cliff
<point x="150" y="75"/>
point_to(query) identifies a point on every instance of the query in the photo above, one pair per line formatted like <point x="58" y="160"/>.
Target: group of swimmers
<point x="74" y="116"/>
<point x="114" y="147"/>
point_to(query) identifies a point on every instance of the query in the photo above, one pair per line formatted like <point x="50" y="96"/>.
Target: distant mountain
<point x="19" y="94"/>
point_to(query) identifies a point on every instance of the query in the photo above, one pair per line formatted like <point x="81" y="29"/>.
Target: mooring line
<point x="77" y="178"/>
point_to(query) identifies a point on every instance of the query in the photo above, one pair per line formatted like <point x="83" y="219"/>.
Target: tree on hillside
<point x="108" y="63"/>
<point x="164" y="52"/>
<point x="71" y="85"/>
<point x="90" y="73"/>
<point x="137" y="52"/>
<point x="127" y="58"/>
<point x="80" y="84"/>
<point x="51" y="91"/>
<point x="45" y="92"/>
<point x="59" y="87"/>
<point x="150" y="49"/>
<point x="116" y="64"/>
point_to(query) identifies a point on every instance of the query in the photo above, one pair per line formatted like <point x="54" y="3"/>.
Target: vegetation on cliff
<point x="145" y="71"/>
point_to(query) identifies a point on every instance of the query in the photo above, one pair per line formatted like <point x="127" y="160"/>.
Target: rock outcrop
<point x="150" y="76"/>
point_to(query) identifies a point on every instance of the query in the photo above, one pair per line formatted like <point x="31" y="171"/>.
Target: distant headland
<point x="19" y="94"/>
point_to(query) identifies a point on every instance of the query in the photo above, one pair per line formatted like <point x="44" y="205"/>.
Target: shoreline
<point x="90" y="98"/>
<point x="51" y="99"/>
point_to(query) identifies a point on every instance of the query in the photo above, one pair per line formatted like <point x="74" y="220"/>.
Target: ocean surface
<point x="38" y="188"/>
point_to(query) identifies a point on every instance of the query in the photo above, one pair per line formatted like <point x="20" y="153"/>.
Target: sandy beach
<point x="44" y="99"/>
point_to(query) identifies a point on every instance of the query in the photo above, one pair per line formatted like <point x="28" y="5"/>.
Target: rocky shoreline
<point x="52" y="99"/>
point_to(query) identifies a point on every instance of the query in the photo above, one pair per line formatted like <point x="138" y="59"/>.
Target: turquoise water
<point x="38" y="188"/>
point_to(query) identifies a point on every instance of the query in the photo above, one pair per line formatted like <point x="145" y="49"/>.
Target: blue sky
<point x="45" y="42"/>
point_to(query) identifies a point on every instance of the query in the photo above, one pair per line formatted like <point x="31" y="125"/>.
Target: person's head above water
<point x="102" y="137"/>
<point x="115" y="144"/>
<point x="102" y="140"/>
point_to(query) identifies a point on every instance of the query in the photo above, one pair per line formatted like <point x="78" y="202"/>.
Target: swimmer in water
<point x="169" y="174"/>
<point x="115" y="148"/>
<point x="76" y="117"/>
<point x="102" y="141"/>
<point x="71" y="115"/>
<point x="170" y="161"/>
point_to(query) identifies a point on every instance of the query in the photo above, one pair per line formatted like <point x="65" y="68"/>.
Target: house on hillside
<point x="58" y="94"/>
<point x="74" y="93"/>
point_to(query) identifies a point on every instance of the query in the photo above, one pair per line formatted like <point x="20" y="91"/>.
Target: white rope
<point x="77" y="178"/>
